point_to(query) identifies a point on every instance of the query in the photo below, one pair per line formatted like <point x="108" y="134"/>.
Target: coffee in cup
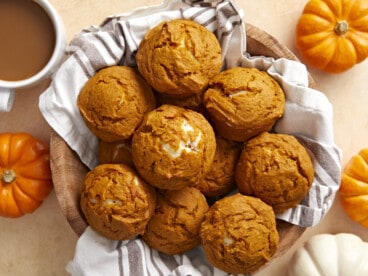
<point x="32" y="44"/>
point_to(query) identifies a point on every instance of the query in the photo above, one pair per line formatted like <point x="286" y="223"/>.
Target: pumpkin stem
<point x="341" y="27"/>
<point x="8" y="176"/>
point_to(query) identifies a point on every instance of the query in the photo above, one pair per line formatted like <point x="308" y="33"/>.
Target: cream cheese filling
<point x="187" y="145"/>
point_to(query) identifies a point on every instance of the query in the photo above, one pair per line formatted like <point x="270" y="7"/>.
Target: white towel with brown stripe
<point x="308" y="116"/>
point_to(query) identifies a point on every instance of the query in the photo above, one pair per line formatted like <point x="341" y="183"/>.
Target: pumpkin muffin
<point x="116" y="202"/>
<point x="114" y="101"/>
<point x="275" y="168"/>
<point x="243" y="102"/>
<point x="178" y="57"/>
<point x="173" y="147"/>
<point x="239" y="234"/>
<point x="220" y="180"/>
<point x="119" y="152"/>
<point x="174" y="228"/>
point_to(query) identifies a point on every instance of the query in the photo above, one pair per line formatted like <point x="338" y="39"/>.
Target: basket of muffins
<point x="187" y="155"/>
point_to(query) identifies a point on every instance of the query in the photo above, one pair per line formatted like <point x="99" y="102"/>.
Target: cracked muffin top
<point x="114" y="101"/>
<point x="178" y="57"/>
<point x="275" y="168"/>
<point x="116" y="202"/>
<point x="173" y="147"/>
<point x="174" y="228"/>
<point x="243" y="102"/>
<point x="239" y="234"/>
<point x="220" y="180"/>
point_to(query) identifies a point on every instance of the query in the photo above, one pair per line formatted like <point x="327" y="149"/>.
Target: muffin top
<point x="178" y="57"/>
<point x="114" y="101"/>
<point x="174" y="228"/>
<point x="116" y="202"/>
<point x="173" y="147"/>
<point x="275" y="168"/>
<point x="239" y="234"/>
<point x="243" y="102"/>
<point x="220" y="180"/>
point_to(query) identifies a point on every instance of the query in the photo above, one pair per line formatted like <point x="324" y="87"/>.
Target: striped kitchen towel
<point x="308" y="116"/>
<point x="133" y="258"/>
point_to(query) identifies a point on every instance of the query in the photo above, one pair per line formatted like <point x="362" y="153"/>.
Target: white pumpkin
<point x="331" y="255"/>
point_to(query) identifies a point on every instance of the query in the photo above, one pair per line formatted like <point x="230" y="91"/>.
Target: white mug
<point x="7" y="88"/>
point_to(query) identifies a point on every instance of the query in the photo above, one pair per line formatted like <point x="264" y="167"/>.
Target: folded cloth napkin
<point x="308" y="116"/>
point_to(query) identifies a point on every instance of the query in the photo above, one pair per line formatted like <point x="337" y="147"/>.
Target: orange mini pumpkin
<point x="354" y="188"/>
<point x="332" y="35"/>
<point x="25" y="174"/>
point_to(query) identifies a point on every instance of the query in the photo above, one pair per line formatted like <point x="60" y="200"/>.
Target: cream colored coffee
<point x="27" y="39"/>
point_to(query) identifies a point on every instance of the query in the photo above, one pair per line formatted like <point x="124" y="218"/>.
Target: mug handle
<point x="6" y="99"/>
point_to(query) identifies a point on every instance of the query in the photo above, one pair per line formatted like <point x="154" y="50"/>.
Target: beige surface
<point x="42" y="243"/>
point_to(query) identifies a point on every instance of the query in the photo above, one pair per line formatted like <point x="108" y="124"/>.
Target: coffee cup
<point x="32" y="45"/>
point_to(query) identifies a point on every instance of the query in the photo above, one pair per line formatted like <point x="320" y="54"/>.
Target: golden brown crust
<point x="243" y="102"/>
<point x="174" y="228"/>
<point x="239" y="234"/>
<point x="275" y="168"/>
<point x="114" y="101"/>
<point x="178" y="57"/>
<point x="173" y="147"/>
<point x="220" y="180"/>
<point x="116" y="202"/>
